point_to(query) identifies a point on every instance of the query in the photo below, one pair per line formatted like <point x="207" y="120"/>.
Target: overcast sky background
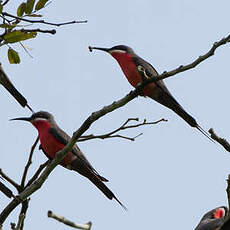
<point x="171" y="175"/>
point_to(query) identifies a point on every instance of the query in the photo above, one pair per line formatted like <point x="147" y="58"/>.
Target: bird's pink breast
<point x="49" y="144"/>
<point x="129" y="68"/>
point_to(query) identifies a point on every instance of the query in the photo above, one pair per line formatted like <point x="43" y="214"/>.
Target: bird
<point x="137" y="70"/>
<point x="7" y="84"/>
<point x="54" y="139"/>
<point x="213" y="219"/>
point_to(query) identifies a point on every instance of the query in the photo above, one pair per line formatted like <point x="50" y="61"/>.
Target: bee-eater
<point x="136" y="69"/>
<point x="54" y="139"/>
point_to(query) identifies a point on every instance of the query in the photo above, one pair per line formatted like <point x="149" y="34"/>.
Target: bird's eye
<point x="140" y="68"/>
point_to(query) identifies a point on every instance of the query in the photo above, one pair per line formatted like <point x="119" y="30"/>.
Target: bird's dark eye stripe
<point x="40" y="115"/>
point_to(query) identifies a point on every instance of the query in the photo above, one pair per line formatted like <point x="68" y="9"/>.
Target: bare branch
<point x="42" y="21"/>
<point x="200" y="59"/>
<point x="12" y="182"/>
<point x="29" y="162"/>
<point x="122" y="127"/>
<point x="220" y="140"/>
<point x="5" y="190"/>
<point x="4" y="3"/>
<point x="35" y="176"/>
<point x="39" y="30"/>
<point x="20" y="221"/>
<point x="63" y="220"/>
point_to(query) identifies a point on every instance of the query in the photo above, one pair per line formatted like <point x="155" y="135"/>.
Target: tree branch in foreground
<point x="8" y="179"/>
<point x="63" y="220"/>
<point x="122" y="127"/>
<point x="220" y="140"/>
<point x="94" y="117"/>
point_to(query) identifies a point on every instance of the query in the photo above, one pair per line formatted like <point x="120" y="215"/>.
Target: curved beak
<point x="98" y="48"/>
<point x="29" y="119"/>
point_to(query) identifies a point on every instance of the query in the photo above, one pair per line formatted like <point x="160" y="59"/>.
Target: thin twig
<point x="42" y="21"/>
<point x="197" y="61"/>
<point x="38" y="30"/>
<point x="4" y="3"/>
<point x="29" y="162"/>
<point x="63" y="220"/>
<point x="35" y="176"/>
<point x="12" y="182"/>
<point x="122" y="127"/>
<point x="26" y="50"/>
<point x="20" y="221"/>
<point x="89" y="121"/>
<point x="220" y="140"/>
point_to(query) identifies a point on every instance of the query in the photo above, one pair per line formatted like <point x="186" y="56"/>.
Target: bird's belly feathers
<point x="51" y="146"/>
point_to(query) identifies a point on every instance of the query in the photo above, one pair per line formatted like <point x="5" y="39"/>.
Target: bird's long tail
<point x="108" y="193"/>
<point x="80" y="166"/>
<point x="165" y="98"/>
<point x="190" y="120"/>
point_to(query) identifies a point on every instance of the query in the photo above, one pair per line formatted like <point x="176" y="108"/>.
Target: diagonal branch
<point x="42" y="21"/>
<point x="35" y="176"/>
<point x="197" y="61"/>
<point x="122" y="127"/>
<point x="63" y="220"/>
<point x="5" y="190"/>
<point x="12" y="182"/>
<point x="90" y="120"/>
<point x="220" y="140"/>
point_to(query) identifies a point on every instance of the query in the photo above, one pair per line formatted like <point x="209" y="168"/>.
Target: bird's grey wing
<point x="64" y="138"/>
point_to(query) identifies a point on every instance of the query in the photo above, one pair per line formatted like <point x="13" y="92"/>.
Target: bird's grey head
<point x="114" y="49"/>
<point x="42" y="115"/>
<point x="39" y="116"/>
<point x="122" y="49"/>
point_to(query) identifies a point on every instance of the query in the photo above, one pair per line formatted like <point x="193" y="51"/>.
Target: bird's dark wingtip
<point x="123" y="206"/>
<point x="204" y="133"/>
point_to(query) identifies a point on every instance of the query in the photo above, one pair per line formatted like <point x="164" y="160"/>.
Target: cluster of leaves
<point x="11" y="23"/>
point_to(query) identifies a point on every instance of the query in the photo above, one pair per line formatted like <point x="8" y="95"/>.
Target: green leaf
<point x="29" y="6"/>
<point x="18" y="35"/>
<point x="8" y="26"/>
<point x="21" y="9"/>
<point x="0" y="7"/>
<point x="40" y="4"/>
<point x="13" y="56"/>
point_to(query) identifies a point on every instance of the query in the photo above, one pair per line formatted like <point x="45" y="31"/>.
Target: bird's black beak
<point x="29" y="119"/>
<point x="98" y="48"/>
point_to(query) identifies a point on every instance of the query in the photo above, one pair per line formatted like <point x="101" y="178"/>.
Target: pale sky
<point x="172" y="172"/>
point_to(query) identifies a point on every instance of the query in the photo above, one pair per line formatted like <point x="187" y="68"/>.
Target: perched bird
<point x="54" y="139"/>
<point x="136" y="70"/>
<point x="7" y="84"/>
<point x="213" y="219"/>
